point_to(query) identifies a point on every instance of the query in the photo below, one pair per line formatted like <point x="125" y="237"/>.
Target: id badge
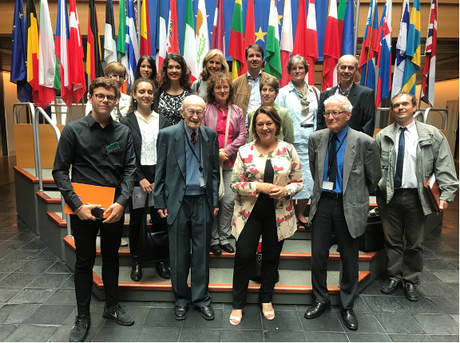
<point x="202" y="184"/>
<point x="328" y="185"/>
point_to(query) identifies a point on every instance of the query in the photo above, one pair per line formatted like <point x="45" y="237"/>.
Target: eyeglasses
<point x="334" y="114"/>
<point x="102" y="97"/>
<point x="193" y="112"/>
<point x="118" y="77"/>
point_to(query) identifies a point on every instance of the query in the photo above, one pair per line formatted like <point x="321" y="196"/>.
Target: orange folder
<point x="90" y="194"/>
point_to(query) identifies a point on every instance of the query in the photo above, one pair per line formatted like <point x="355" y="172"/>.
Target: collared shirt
<point x="340" y="145"/>
<point x="193" y="161"/>
<point x="346" y="92"/>
<point x="409" y="177"/>
<point x="149" y="128"/>
<point x="98" y="156"/>
<point x="254" y="98"/>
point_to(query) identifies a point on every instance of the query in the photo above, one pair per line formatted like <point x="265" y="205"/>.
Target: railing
<point x="425" y="112"/>
<point x="30" y="109"/>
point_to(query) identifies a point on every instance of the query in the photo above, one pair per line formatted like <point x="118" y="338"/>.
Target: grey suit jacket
<point x="361" y="173"/>
<point x="170" y="169"/>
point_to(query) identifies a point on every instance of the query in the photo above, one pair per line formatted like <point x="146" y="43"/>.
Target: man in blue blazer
<point x="186" y="193"/>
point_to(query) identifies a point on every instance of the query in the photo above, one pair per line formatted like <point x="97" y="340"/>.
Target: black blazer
<point x="131" y="121"/>
<point x="363" y="114"/>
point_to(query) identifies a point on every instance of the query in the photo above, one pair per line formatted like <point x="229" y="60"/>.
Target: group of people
<point x="241" y="159"/>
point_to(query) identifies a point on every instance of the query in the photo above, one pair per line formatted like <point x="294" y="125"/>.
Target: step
<point x="52" y="199"/>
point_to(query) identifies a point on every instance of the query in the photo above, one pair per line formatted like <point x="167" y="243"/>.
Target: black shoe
<point x="391" y="286"/>
<point x="180" y="312"/>
<point x="316" y="310"/>
<point x="118" y="314"/>
<point x="163" y="270"/>
<point x="136" y="272"/>
<point x="410" y="289"/>
<point x="349" y="319"/>
<point x="215" y="249"/>
<point x="228" y="248"/>
<point x="80" y="329"/>
<point x="207" y="312"/>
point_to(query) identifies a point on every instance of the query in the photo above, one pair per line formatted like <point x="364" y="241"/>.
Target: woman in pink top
<point x="219" y="106"/>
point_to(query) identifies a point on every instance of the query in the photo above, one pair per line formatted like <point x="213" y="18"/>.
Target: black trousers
<point x="260" y="222"/>
<point x="329" y="219"/>
<point x="403" y="225"/>
<point x="85" y="233"/>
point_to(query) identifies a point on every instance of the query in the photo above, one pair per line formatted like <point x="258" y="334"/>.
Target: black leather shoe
<point x="410" y="289"/>
<point x="118" y="315"/>
<point x="316" y="310"/>
<point x="349" y="319"/>
<point x="228" y="248"/>
<point x="136" y="272"/>
<point x="391" y="286"/>
<point x="163" y="269"/>
<point x="207" y="312"/>
<point x="215" y="249"/>
<point x="80" y="329"/>
<point x="180" y="312"/>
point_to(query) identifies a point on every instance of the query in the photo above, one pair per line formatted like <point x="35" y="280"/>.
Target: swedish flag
<point x="412" y="50"/>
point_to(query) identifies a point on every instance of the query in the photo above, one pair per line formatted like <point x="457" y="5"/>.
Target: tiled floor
<point x="37" y="301"/>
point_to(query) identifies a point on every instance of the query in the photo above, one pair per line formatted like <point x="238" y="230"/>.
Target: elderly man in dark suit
<point x="345" y="167"/>
<point x="362" y="98"/>
<point x="186" y="193"/>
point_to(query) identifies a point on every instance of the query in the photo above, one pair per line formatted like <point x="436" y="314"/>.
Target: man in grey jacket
<point x="410" y="152"/>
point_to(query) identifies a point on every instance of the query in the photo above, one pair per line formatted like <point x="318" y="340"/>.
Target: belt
<point x="306" y="125"/>
<point x="331" y="195"/>
<point x="406" y="190"/>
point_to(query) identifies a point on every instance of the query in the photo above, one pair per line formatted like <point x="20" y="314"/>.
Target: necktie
<point x="193" y="137"/>
<point x="332" y="159"/>
<point x="400" y="160"/>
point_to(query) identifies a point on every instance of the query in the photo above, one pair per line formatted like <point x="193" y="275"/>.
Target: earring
<point x="135" y="103"/>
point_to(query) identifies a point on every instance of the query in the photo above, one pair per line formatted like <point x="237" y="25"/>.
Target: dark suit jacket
<point x="131" y="121"/>
<point x="170" y="169"/>
<point x="361" y="173"/>
<point x="363" y="114"/>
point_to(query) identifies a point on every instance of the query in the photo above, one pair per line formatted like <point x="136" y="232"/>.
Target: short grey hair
<point x="341" y="100"/>
<point x="193" y="100"/>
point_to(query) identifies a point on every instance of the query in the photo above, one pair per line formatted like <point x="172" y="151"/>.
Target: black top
<point x="99" y="156"/>
<point x="269" y="174"/>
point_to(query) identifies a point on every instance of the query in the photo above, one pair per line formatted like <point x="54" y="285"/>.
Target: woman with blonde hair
<point x="214" y="62"/>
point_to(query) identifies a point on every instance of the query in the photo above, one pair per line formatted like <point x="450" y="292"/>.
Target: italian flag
<point x="189" y="44"/>
<point x="272" y="47"/>
<point x="236" y="44"/>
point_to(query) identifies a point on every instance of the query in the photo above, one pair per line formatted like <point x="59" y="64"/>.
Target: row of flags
<point x="41" y="65"/>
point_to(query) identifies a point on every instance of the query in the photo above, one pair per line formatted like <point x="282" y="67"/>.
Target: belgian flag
<point x="93" y="46"/>
<point x="32" y="48"/>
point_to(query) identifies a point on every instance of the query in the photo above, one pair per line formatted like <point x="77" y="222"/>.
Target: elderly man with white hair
<point x="186" y="193"/>
<point x="345" y="167"/>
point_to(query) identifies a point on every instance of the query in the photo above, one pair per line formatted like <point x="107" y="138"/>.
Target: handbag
<point x="221" y="174"/>
<point x="153" y="245"/>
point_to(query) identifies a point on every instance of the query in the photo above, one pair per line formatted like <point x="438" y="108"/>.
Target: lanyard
<point x="341" y="143"/>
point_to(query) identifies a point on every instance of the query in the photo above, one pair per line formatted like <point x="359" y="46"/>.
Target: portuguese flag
<point x="236" y="44"/>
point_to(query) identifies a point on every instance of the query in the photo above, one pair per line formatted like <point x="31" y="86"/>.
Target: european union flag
<point x="18" y="73"/>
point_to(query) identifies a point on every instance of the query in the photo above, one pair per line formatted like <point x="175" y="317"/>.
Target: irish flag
<point x="189" y="44"/>
<point x="272" y="47"/>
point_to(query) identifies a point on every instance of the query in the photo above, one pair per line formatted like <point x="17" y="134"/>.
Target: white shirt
<point x="409" y="178"/>
<point x="254" y="98"/>
<point x="149" y="128"/>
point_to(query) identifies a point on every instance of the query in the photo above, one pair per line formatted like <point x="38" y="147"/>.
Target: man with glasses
<point x="186" y="193"/>
<point x="117" y="72"/>
<point x="345" y="167"/>
<point x="361" y="98"/>
<point x="100" y="152"/>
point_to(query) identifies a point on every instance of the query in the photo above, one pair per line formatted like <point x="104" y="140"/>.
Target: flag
<point x="235" y="46"/>
<point x="132" y="44"/>
<point x="62" y="52"/>
<point x="331" y="46"/>
<point x="429" y="69"/>
<point x="218" y="29"/>
<point x="18" y="73"/>
<point x="286" y="42"/>
<point x="384" y="61"/>
<point x="145" y="44"/>
<point x="341" y="11"/>
<point x="412" y="50"/>
<point x="348" y="37"/>
<point x="93" y="45"/>
<point x="32" y="48"/>
<point x="312" y="43"/>
<point x="153" y="10"/>
<point x="121" y="38"/>
<point x="189" y="43"/>
<point x="173" y="35"/>
<point x="76" y="69"/>
<point x="300" y="40"/>
<point x="272" y="46"/>
<point x="249" y="31"/>
<point x="162" y="34"/>
<point x="110" y="45"/>
<point x="401" y="45"/>
<point x="202" y="35"/>
<point x="370" y="47"/>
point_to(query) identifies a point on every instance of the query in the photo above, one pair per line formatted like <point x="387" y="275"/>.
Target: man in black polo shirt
<point x="100" y="151"/>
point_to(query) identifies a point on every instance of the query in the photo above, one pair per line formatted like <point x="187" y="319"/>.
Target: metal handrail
<point x="425" y="112"/>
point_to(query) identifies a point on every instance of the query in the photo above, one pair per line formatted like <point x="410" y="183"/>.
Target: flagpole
<point x="356" y="25"/>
